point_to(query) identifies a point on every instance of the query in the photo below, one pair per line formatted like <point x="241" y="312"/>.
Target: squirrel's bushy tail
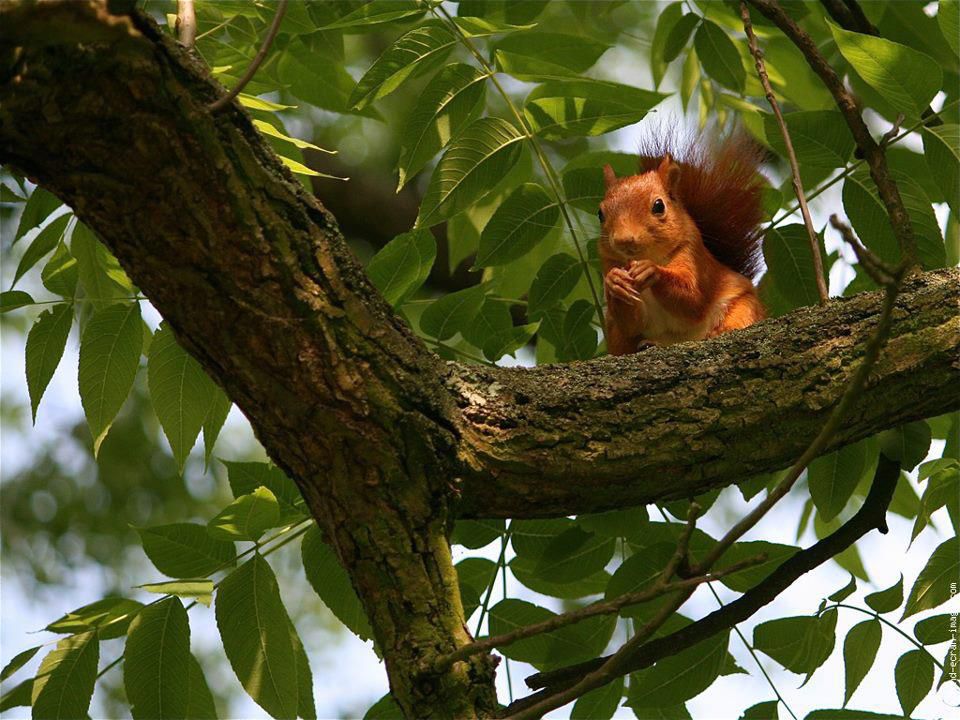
<point x="720" y="187"/>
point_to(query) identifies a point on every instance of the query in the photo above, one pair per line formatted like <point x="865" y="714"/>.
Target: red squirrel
<point x="680" y="242"/>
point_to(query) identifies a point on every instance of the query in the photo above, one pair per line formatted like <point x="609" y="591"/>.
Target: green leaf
<point x="418" y="50"/>
<point x="786" y="250"/>
<point x="109" y="356"/>
<point x="583" y="107"/>
<point x="14" y="299"/>
<point x="472" y="165"/>
<point x="255" y="103"/>
<point x="574" y="555"/>
<point x="719" y="57"/>
<point x="529" y="538"/>
<point x="45" y="241"/>
<point x="474" y="534"/>
<point x="180" y="390"/>
<point x="761" y="711"/>
<point x="579" y="339"/>
<point x="638" y="573"/>
<point x="64" y="683"/>
<point x="40" y="205"/>
<point x="376" y="12"/>
<point x="156" y="661"/>
<point x="475" y="576"/>
<point x="849" y="715"/>
<point x="666" y="22"/>
<point x="834" y="477"/>
<point x="450" y="314"/>
<point x="749" y="577"/>
<point x="524" y="569"/>
<point x="186" y="550"/>
<point x="403" y="265"/>
<point x="20" y="696"/>
<point x="521" y="221"/>
<point x="306" y="708"/>
<point x="907" y="444"/>
<point x="61" y="273"/>
<point x="932" y="587"/>
<point x="537" y="56"/>
<point x="255" y="630"/>
<point x="199" y="590"/>
<point x="935" y="629"/>
<point x="599" y="704"/>
<point x="200" y="705"/>
<point x="678" y="678"/>
<point x="481" y="27"/>
<point x="948" y="18"/>
<point x="845" y="592"/>
<point x="247" y="517"/>
<point x="245" y="477"/>
<point x="906" y="78"/>
<point x="100" y="274"/>
<point x="943" y="487"/>
<point x="110" y="617"/>
<point x="385" y="708"/>
<point x="859" y="651"/>
<point x="331" y="582"/>
<point x="212" y="424"/>
<point x="18" y="661"/>
<point x="914" y="678"/>
<point x="449" y="102"/>
<point x="555" y="280"/>
<point x="941" y="145"/>
<point x="268" y="129"/>
<point x="820" y="137"/>
<point x="800" y="644"/>
<point x="887" y="600"/>
<point x="679" y="37"/>
<point x="45" y="344"/>
<point x="570" y="644"/>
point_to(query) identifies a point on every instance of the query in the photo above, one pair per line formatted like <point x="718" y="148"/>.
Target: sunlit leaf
<point x="545" y="55"/>
<point x="254" y="627"/>
<point x="403" y="265"/>
<point x="64" y="683"/>
<point x="156" y="663"/>
<point x="933" y="585"/>
<point x="185" y="550"/>
<point x="109" y="356"/>
<point x="199" y="590"/>
<point x="450" y="314"/>
<point x="247" y="517"/>
<point x="525" y="218"/>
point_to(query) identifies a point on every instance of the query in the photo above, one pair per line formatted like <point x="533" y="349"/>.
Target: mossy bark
<point x="380" y="435"/>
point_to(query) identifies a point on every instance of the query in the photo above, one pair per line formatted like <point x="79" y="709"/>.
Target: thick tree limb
<point x="673" y="422"/>
<point x="870" y="516"/>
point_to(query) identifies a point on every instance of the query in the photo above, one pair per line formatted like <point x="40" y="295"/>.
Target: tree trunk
<point x="250" y="270"/>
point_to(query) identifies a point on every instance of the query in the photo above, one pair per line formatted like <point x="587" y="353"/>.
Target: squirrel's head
<point x="641" y="215"/>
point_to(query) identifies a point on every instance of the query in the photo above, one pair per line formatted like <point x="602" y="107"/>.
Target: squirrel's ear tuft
<point x="609" y="176"/>
<point x="669" y="173"/>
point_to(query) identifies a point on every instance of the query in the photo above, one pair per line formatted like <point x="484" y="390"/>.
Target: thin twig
<point x="791" y="154"/>
<point x="877" y="269"/>
<point x="872" y="152"/>
<point x="891" y="134"/>
<point x="186" y="23"/>
<point x="870" y="516"/>
<point x="258" y="59"/>
<point x="601" y="607"/>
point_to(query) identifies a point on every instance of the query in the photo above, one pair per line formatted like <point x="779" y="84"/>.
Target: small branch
<point x="891" y="134"/>
<point x="849" y="15"/>
<point x="870" y="516"/>
<point x="217" y="105"/>
<point x="877" y="269"/>
<point x="679" y="563"/>
<point x="601" y="607"/>
<point x="872" y="152"/>
<point x="186" y="23"/>
<point x="791" y="154"/>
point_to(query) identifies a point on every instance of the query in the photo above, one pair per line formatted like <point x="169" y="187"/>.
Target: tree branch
<point x="871" y="515"/>
<point x="822" y="290"/>
<point x="872" y="152"/>
<point x="186" y="22"/>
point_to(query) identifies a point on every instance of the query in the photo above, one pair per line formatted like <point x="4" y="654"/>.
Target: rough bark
<point x="252" y="273"/>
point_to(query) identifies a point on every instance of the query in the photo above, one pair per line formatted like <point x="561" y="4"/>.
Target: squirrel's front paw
<point x="619" y="284"/>
<point x="643" y="273"/>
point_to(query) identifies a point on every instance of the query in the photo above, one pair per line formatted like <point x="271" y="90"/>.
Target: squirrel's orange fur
<point x="680" y="242"/>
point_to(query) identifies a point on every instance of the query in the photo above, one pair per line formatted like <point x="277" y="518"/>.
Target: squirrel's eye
<point x="600" y="214"/>
<point x="658" y="207"/>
